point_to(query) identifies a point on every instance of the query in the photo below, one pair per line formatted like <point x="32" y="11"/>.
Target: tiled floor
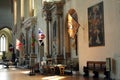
<point x="22" y="74"/>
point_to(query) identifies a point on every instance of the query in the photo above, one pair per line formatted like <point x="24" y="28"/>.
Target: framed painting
<point x="96" y="25"/>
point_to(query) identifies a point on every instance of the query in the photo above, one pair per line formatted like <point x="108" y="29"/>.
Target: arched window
<point x="2" y="43"/>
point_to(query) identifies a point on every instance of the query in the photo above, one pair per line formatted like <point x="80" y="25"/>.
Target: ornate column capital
<point x="47" y="10"/>
<point x="50" y="6"/>
<point x="59" y="8"/>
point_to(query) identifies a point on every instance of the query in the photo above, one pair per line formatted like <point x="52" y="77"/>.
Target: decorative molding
<point x="59" y="8"/>
<point x="49" y="6"/>
<point x="29" y="22"/>
<point x="47" y="10"/>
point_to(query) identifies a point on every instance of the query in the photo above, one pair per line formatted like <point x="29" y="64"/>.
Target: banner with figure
<point x="73" y="24"/>
<point x="41" y="36"/>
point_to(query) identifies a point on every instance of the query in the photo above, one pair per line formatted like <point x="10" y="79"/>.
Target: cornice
<point x="48" y="8"/>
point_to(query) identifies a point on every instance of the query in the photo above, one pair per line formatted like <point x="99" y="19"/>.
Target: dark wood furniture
<point x="96" y="67"/>
<point x="71" y="65"/>
<point x="6" y="63"/>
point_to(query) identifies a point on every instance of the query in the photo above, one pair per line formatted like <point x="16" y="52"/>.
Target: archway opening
<point x="5" y="41"/>
<point x="71" y="30"/>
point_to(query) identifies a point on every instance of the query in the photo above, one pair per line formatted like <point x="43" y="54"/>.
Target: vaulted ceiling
<point x="6" y="14"/>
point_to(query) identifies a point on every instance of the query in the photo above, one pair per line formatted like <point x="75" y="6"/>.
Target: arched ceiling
<point x="7" y="32"/>
<point x="6" y="14"/>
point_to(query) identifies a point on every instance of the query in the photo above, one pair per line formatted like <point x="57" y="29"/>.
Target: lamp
<point x="50" y="1"/>
<point x="44" y="1"/>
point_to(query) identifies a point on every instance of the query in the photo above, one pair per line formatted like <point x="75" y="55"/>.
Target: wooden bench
<point x="96" y="67"/>
<point x="6" y="63"/>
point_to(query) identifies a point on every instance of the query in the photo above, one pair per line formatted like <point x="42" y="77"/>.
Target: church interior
<point x="61" y="37"/>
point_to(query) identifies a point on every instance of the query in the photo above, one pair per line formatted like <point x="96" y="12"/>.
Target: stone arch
<point x="2" y="27"/>
<point x="8" y="34"/>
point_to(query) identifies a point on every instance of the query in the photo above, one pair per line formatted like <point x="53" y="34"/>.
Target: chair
<point x="52" y="69"/>
<point x="61" y="68"/>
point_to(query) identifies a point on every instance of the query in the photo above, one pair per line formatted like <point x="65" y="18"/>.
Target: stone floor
<point x="13" y="73"/>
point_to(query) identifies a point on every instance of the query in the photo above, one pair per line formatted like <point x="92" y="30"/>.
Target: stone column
<point x="59" y="14"/>
<point x="47" y="13"/>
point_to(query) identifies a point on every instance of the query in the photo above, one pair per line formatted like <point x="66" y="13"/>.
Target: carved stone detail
<point x="59" y="8"/>
<point x="53" y="12"/>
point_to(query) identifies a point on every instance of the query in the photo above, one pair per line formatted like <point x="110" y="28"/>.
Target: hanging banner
<point x="18" y="44"/>
<point x="41" y="36"/>
<point x="10" y="47"/>
<point x="73" y="26"/>
<point x="33" y="41"/>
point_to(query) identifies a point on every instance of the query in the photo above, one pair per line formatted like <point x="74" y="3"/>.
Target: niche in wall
<point x="71" y="33"/>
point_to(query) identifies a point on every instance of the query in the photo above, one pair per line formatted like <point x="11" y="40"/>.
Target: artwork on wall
<point x="96" y="25"/>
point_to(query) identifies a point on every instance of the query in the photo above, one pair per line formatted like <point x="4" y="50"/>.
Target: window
<point x="2" y="43"/>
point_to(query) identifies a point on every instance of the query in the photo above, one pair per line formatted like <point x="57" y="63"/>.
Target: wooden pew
<point x="96" y="67"/>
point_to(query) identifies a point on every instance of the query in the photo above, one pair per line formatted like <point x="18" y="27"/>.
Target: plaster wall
<point x="111" y="32"/>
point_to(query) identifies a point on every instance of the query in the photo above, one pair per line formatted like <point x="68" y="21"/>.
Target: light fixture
<point x="46" y="1"/>
<point x="50" y="1"/>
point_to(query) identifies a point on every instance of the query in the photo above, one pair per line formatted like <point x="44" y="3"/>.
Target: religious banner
<point x="10" y="47"/>
<point x="73" y="24"/>
<point x="18" y="44"/>
<point x="41" y="36"/>
<point x="33" y="41"/>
